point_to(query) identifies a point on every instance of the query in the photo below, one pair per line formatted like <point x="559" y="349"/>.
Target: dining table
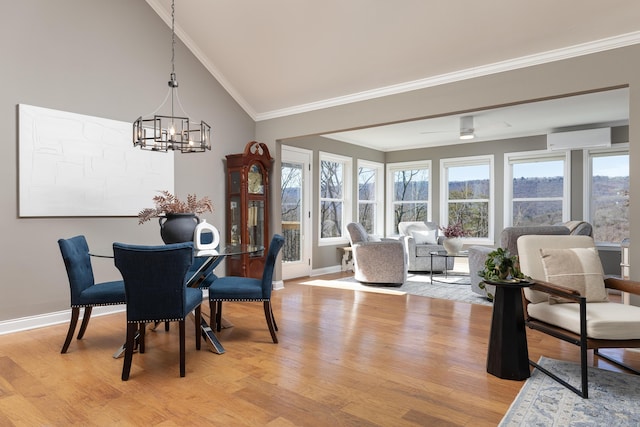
<point x="197" y="277"/>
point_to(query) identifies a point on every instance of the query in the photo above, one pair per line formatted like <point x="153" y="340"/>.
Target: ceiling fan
<point x="467" y="127"/>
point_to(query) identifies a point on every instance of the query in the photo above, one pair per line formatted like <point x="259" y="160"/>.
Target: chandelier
<point x="164" y="133"/>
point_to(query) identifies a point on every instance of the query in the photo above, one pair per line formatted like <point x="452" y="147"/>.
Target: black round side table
<point x="508" y="355"/>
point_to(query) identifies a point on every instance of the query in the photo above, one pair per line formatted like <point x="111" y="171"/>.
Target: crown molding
<point x="456" y="76"/>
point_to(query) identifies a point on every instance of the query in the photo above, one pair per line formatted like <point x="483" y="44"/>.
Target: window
<point x="335" y="186"/>
<point x="370" y="196"/>
<point x="467" y="195"/>
<point x="537" y="188"/>
<point x="607" y="193"/>
<point x="409" y="192"/>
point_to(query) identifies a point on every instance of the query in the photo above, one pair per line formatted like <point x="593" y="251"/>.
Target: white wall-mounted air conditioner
<point x="579" y="139"/>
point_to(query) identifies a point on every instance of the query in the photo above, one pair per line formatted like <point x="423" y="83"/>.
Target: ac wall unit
<point x="579" y="139"/>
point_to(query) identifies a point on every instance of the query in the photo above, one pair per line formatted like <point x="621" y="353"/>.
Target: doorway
<point x="295" y="187"/>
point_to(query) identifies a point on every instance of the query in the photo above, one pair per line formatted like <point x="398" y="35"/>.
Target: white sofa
<point x="420" y="239"/>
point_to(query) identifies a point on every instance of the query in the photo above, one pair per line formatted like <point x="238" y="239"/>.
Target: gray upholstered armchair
<point x="420" y="239"/>
<point x="375" y="260"/>
<point x="509" y="240"/>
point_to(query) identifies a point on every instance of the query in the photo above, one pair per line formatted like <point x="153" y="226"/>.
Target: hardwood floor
<point x="344" y="358"/>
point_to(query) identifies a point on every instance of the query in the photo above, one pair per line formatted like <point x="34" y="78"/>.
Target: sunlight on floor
<point x="354" y="286"/>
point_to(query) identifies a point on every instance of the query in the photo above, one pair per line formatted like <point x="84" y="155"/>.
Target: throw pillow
<point x="424" y="237"/>
<point x="579" y="269"/>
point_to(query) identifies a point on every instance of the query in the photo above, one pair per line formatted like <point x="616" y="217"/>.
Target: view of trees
<point x="410" y="196"/>
<point x="610" y="208"/>
<point x="331" y="176"/>
<point x="291" y="198"/>
<point x="367" y="199"/>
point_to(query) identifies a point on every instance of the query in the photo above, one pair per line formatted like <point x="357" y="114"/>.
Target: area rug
<point x="613" y="399"/>
<point x="452" y="288"/>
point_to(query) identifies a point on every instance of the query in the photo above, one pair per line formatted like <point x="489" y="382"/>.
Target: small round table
<point x="508" y="355"/>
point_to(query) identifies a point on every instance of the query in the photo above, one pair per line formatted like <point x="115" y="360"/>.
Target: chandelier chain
<point x="173" y="38"/>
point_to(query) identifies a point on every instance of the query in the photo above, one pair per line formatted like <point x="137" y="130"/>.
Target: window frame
<point x="541" y="155"/>
<point x="389" y="205"/>
<point x="347" y="189"/>
<point x="445" y="164"/>
<point x="587" y="154"/>
<point x="378" y="202"/>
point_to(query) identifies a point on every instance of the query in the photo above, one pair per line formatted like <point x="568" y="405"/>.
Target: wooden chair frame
<point x="582" y="340"/>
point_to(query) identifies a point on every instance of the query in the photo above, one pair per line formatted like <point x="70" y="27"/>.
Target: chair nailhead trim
<point x="155" y="320"/>
<point x="97" y="305"/>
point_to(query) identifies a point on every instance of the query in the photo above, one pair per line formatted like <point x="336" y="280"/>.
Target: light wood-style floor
<point x="345" y="359"/>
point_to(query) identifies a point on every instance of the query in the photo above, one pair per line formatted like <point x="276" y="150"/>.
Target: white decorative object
<point x="205" y="248"/>
<point x="452" y="245"/>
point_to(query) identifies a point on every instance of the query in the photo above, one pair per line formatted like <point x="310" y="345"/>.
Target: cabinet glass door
<point x="255" y="222"/>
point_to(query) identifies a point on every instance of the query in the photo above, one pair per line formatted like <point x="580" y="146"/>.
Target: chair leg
<point x="166" y="326"/>
<point x="182" y="348"/>
<point x="132" y="329"/>
<point x="275" y="325"/>
<point x="212" y="315"/>
<point x="85" y="321"/>
<point x="142" y="327"/>
<point x="268" y="314"/>
<point x="198" y="316"/>
<point x="219" y="316"/>
<point x="75" y="313"/>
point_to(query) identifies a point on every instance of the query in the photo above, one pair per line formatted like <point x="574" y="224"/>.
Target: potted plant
<point x="501" y="266"/>
<point x="178" y="219"/>
<point x="453" y="234"/>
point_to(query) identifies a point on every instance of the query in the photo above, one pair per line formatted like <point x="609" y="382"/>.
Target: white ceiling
<point x="283" y="57"/>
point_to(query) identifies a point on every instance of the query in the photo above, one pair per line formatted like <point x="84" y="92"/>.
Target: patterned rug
<point x="613" y="399"/>
<point x="453" y="288"/>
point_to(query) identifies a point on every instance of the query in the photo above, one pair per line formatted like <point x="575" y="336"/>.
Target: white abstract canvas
<point x="77" y="165"/>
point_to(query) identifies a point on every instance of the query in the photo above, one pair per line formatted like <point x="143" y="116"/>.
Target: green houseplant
<point x="500" y="266"/>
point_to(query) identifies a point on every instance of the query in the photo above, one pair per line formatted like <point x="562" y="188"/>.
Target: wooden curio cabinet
<point x="248" y="207"/>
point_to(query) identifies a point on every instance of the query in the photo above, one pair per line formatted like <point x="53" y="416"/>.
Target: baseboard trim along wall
<point x="50" y="319"/>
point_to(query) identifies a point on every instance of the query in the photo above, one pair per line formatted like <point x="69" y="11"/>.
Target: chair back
<point x="406" y="227"/>
<point x="77" y="261"/>
<point x="277" y="241"/>
<point x="357" y="233"/>
<point x="510" y="235"/>
<point x="154" y="280"/>
<point x="531" y="261"/>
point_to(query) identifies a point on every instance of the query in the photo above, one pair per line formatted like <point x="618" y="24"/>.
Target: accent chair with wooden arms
<point x="569" y="300"/>
<point x="156" y="291"/>
<point x="85" y="293"/>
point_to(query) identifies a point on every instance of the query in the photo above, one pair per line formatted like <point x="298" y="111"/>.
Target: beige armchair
<point x="569" y="300"/>
<point x="377" y="260"/>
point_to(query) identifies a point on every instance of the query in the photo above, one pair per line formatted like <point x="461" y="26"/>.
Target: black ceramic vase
<point x="178" y="227"/>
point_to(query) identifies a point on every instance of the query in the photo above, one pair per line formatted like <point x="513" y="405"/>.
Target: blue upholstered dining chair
<point x="156" y="291"/>
<point x="233" y="288"/>
<point x="85" y="293"/>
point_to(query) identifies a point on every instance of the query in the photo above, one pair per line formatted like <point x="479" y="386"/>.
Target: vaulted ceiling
<point x="283" y="57"/>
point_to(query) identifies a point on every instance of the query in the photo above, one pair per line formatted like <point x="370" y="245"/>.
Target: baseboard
<point x="276" y="285"/>
<point x="49" y="319"/>
<point x="326" y="270"/>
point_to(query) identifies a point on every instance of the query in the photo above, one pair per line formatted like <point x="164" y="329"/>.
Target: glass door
<point x="295" y="189"/>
